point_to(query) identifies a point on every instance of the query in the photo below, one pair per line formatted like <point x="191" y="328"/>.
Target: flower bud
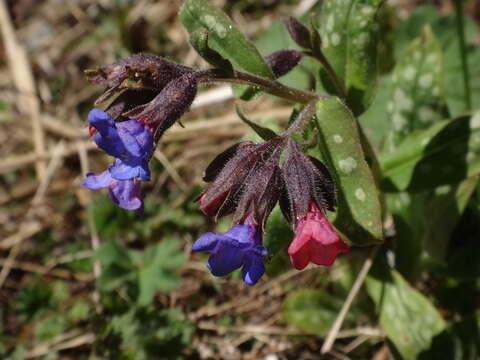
<point x="282" y="61"/>
<point x="146" y="70"/>
<point x="306" y="180"/>
<point x="168" y="106"/>
<point x="246" y="180"/>
<point x="298" y="32"/>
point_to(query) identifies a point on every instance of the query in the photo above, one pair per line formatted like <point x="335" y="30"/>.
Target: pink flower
<point x="315" y="240"/>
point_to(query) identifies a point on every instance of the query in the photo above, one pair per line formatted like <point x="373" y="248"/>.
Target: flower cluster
<point x="248" y="180"/>
<point x="147" y="95"/>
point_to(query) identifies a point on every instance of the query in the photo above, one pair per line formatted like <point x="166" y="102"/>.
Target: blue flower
<point x="128" y="141"/>
<point x="124" y="193"/>
<point x="241" y="246"/>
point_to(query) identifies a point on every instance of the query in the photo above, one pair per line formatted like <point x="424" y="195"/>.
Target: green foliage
<point x="276" y="239"/>
<point x="224" y="37"/>
<point x="461" y="340"/>
<point x="142" y="273"/>
<point x="111" y="221"/>
<point x="141" y="333"/>
<point x="434" y="149"/>
<point x="359" y="213"/>
<point x="349" y="31"/>
<point x="424" y="198"/>
<point x="313" y="311"/>
<point x="416" y="89"/>
<point x="38" y="297"/>
<point x="408" y="318"/>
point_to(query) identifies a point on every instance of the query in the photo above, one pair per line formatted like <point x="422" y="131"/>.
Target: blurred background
<point x="70" y="260"/>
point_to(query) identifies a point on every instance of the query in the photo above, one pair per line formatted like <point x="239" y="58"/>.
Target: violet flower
<point x="241" y="246"/>
<point x="131" y="145"/>
<point x="128" y="141"/>
<point x="124" y="193"/>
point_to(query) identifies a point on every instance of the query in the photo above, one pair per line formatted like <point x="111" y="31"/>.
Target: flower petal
<point x="225" y="260"/>
<point x="299" y="255"/>
<point x="242" y="233"/>
<point x="253" y="269"/>
<point x="108" y="141"/>
<point x="323" y="255"/>
<point x="124" y="171"/>
<point x="126" y="194"/>
<point x="100" y="120"/>
<point x="208" y="242"/>
<point x="96" y="182"/>
<point x="135" y="137"/>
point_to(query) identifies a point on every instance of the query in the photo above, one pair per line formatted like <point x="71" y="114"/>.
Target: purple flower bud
<point x="241" y="246"/>
<point x="149" y="71"/>
<point x="282" y="61"/>
<point x="261" y="191"/>
<point x="299" y="33"/>
<point x="306" y="180"/>
<point x="168" y="106"/>
<point x="128" y="141"/>
<point x="124" y="193"/>
<point x="245" y="180"/>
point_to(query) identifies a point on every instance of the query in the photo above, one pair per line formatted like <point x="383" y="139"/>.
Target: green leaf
<point x="313" y="311"/>
<point x="349" y="41"/>
<point x="454" y="89"/>
<point x="145" y="332"/>
<point x="408" y="318"/>
<point x="459" y="341"/>
<point x="416" y="89"/>
<point x="277" y="237"/>
<point x="444" y="154"/>
<point x="224" y="37"/>
<point x="50" y="327"/>
<point x="444" y="212"/>
<point x="264" y="132"/>
<point x="359" y="213"/>
<point x="156" y="270"/>
<point x="375" y="122"/>
<point x="442" y="27"/>
<point x="112" y="252"/>
<point x="408" y="213"/>
<point x="199" y="41"/>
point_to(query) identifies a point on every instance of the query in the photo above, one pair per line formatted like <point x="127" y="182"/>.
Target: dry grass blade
<point x="23" y="79"/>
<point x="40" y="193"/>
<point x="65" y="341"/>
<point x="332" y="334"/>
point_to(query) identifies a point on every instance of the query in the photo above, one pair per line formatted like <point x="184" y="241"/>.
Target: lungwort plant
<point x="373" y="149"/>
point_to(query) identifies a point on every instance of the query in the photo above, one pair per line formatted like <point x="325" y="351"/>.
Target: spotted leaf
<point x="359" y="215"/>
<point x="349" y="32"/>
<point x="444" y="154"/>
<point x="416" y="89"/>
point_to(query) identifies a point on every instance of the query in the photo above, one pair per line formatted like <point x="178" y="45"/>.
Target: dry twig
<point x="23" y="79"/>
<point x="333" y="333"/>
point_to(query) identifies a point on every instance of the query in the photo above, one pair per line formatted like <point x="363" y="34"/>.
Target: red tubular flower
<point x="315" y="241"/>
<point x="309" y="190"/>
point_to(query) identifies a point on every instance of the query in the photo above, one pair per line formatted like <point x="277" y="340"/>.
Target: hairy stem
<point x="270" y="86"/>
<point x="330" y="71"/>
<point x="306" y="114"/>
